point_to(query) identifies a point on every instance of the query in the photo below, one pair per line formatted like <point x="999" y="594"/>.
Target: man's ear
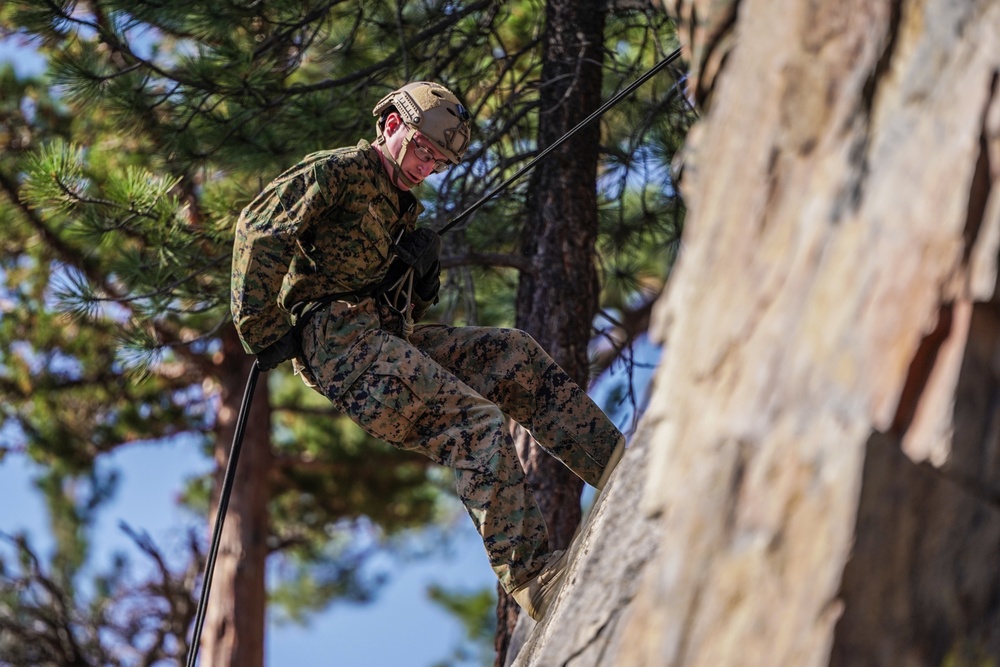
<point x="393" y="122"/>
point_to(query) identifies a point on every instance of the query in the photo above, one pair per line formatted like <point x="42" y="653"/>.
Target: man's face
<point x="421" y="159"/>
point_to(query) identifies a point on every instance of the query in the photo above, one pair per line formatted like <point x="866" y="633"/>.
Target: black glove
<point x="283" y="349"/>
<point x="428" y="285"/>
<point x="420" y="249"/>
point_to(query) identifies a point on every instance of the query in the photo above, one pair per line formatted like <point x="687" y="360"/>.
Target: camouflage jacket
<point x="323" y="227"/>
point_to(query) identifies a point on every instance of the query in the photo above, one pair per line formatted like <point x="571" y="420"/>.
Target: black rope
<point x="220" y="516"/>
<point x="582" y="124"/>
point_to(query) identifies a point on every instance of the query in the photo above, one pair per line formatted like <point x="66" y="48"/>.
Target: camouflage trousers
<point x="445" y="393"/>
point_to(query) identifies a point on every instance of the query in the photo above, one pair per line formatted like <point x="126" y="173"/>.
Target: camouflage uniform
<point x="325" y="227"/>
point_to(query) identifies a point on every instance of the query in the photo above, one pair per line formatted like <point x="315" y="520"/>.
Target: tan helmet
<point x="435" y="112"/>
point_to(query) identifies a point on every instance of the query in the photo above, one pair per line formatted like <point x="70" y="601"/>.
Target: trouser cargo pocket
<point x="389" y="398"/>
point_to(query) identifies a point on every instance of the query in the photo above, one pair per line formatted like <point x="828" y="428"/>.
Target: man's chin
<point x="413" y="182"/>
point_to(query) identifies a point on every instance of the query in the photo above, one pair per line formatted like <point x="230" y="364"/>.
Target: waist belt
<point x="303" y="310"/>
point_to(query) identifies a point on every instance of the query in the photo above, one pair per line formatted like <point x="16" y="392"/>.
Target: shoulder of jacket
<point x="341" y="162"/>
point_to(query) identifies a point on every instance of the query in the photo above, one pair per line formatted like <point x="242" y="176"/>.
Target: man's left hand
<point x="428" y="285"/>
<point x="420" y="249"/>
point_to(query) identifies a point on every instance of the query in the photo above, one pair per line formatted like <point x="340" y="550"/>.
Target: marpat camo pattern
<point x="325" y="227"/>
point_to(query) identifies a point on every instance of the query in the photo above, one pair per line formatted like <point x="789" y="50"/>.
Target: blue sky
<point x="24" y="59"/>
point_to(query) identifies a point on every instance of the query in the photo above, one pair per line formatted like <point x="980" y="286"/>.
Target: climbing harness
<point x="405" y="281"/>
<point x="398" y="298"/>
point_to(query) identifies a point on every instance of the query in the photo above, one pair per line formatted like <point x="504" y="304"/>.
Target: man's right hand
<point x="285" y="348"/>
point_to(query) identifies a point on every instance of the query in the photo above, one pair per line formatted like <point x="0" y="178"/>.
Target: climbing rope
<point x="220" y="516"/>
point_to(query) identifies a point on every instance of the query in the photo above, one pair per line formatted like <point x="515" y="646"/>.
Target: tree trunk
<point x="557" y="300"/>
<point x="234" y="623"/>
<point x="823" y="483"/>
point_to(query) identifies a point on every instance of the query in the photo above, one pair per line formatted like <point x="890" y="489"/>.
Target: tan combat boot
<point x="616" y="457"/>
<point x="536" y="595"/>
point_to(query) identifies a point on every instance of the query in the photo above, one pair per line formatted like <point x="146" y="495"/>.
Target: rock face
<point x="609" y="558"/>
<point x="817" y="481"/>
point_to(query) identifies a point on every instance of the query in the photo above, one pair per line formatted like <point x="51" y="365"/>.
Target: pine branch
<point x="63" y="251"/>
<point x="394" y="57"/>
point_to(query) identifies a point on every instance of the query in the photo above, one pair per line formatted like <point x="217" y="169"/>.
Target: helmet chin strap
<point x="397" y="163"/>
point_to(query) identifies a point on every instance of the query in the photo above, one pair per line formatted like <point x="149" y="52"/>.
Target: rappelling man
<point x="331" y="271"/>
